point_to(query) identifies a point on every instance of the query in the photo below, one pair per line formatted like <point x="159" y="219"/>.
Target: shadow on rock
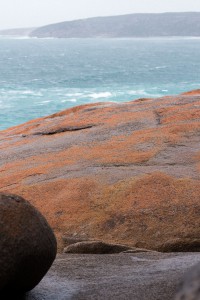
<point x="13" y="296"/>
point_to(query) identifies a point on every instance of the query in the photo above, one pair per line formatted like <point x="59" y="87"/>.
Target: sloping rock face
<point x="126" y="173"/>
<point x="27" y="245"/>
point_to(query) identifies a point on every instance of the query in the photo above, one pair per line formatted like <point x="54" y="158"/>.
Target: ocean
<point x="39" y="77"/>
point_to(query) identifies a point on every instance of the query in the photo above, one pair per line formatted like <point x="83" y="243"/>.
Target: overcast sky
<point x="33" y="13"/>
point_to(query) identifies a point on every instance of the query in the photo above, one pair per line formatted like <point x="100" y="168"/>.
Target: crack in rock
<point x="158" y="117"/>
<point x="65" y="129"/>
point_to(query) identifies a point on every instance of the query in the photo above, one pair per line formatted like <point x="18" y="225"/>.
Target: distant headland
<point x="17" y="32"/>
<point x="132" y="25"/>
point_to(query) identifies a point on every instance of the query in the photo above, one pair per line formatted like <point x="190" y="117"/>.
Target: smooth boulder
<point x="27" y="245"/>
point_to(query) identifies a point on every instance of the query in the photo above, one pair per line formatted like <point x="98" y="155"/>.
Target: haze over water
<point x="42" y="76"/>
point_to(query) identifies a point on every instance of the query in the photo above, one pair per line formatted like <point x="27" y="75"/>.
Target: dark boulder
<point x="27" y="245"/>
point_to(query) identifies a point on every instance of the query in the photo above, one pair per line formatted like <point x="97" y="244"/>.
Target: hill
<point x="133" y="25"/>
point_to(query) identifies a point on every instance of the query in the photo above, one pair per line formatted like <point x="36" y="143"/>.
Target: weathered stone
<point x="190" y="286"/>
<point x="181" y="245"/>
<point x="126" y="173"/>
<point x="69" y="240"/>
<point x="95" y="247"/>
<point x="138" y="250"/>
<point x="27" y="245"/>
<point x="141" y="276"/>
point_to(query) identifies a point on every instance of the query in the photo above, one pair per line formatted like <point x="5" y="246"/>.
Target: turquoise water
<point x="40" y="77"/>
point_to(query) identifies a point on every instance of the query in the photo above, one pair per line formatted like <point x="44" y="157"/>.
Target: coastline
<point x="125" y="173"/>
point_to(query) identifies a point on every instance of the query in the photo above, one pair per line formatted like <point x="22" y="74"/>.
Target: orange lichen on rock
<point x="192" y="93"/>
<point x="126" y="173"/>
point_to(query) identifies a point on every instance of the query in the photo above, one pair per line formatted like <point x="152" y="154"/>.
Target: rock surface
<point x="144" y="276"/>
<point x="126" y="173"/>
<point x="98" y="247"/>
<point x="190" y="287"/>
<point x="95" y="247"/>
<point x="27" y="245"/>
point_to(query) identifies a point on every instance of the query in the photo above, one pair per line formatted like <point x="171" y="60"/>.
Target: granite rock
<point x="27" y="245"/>
<point x="95" y="247"/>
<point x="126" y="173"/>
<point x="189" y="289"/>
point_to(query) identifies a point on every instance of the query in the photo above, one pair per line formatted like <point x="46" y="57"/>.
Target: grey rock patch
<point x="142" y="276"/>
<point x="190" y="287"/>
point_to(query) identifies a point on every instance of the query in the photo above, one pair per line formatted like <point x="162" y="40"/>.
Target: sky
<point x="34" y="13"/>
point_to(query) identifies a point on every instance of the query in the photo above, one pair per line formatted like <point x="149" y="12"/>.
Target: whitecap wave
<point x="21" y="92"/>
<point x="68" y="100"/>
<point x="74" y="94"/>
<point x="27" y="92"/>
<point x="100" y="95"/>
<point x="46" y="101"/>
<point x="137" y="92"/>
<point x="161" y="67"/>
